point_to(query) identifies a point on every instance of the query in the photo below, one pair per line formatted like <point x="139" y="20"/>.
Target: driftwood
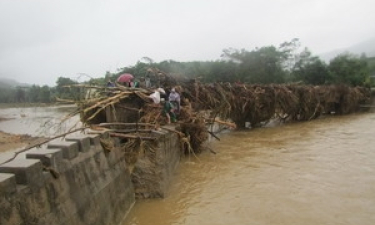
<point x="131" y="136"/>
<point x="229" y="124"/>
<point x="214" y="135"/>
<point x="234" y="104"/>
<point x="130" y="130"/>
<point x="124" y="124"/>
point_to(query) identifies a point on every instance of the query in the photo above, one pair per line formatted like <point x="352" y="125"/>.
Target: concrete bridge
<point x="76" y="181"/>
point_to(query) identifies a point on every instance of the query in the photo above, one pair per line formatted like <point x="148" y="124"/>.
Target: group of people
<point x="143" y="82"/>
<point x="171" y="103"/>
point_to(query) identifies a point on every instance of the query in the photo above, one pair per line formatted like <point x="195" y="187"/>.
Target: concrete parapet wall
<point x="73" y="181"/>
<point x="154" y="170"/>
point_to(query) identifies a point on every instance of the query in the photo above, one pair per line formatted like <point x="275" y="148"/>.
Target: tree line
<point x="269" y="64"/>
<point x="40" y="94"/>
<point x="284" y="64"/>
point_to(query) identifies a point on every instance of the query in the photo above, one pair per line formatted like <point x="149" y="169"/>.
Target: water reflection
<point x="318" y="172"/>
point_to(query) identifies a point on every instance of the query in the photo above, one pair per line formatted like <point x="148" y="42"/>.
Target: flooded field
<point x="318" y="172"/>
<point x="37" y="121"/>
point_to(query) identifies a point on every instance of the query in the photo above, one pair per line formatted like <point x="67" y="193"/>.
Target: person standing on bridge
<point x="175" y="100"/>
<point x="157" y="95"/>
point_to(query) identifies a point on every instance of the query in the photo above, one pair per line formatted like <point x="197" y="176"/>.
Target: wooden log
<point x="131" y="136"/>
<point x="229" y="124"/>
<point x="213" y="135"/>
<point x="125" y="124"/>
<point x="129" y="108"/>
<point x="130" y="130"/>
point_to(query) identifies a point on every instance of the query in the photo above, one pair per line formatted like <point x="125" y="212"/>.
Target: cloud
<point x="43" y="39"/>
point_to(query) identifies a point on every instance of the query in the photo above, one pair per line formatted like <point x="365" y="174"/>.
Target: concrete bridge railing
<point x="75" y="181"/>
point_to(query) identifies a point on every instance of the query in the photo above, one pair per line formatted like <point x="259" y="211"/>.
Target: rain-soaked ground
<point x="317" y="172"/>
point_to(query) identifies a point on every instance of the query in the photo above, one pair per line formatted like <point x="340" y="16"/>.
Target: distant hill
<point x="10" y="83"/>
<point x="367" y="47"/>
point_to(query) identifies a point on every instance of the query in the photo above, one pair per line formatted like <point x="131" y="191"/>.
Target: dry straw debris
<point x="130" y="114"/>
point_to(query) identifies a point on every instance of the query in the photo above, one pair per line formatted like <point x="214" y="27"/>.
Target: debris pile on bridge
<point x="133" y="115"/>
<point x="287" y="102"/>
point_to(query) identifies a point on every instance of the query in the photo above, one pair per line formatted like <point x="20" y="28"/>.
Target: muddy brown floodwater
<point x="318" y="172"/>
<point x="20" y="127"/>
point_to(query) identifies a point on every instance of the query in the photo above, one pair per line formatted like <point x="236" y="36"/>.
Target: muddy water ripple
<point x="318" y="172"/>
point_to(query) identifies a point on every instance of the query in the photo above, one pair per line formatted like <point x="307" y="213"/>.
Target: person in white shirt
<point x="156" y="95"/>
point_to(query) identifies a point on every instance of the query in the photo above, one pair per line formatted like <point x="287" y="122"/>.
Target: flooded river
<point x="38" y="121"/>
<point x="318" y="172"/>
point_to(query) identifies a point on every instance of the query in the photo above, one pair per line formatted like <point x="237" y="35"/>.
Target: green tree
<point x="33" y="93"/>
<point x="45" y="94"/>
<point x="20" y="95"/>
<point x="65" y="88"/>
<point x="7" y="95"/>
<point x="371" y="67"/>
<point x="289" y="52"/>
<point x="309" y="69"/>
<point x="222" y="71"/>
<point x="349" y="69"/>
<point x="262" y="65"/>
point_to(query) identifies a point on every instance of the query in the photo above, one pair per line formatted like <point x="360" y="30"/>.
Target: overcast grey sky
<point x="41" y="40"/>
